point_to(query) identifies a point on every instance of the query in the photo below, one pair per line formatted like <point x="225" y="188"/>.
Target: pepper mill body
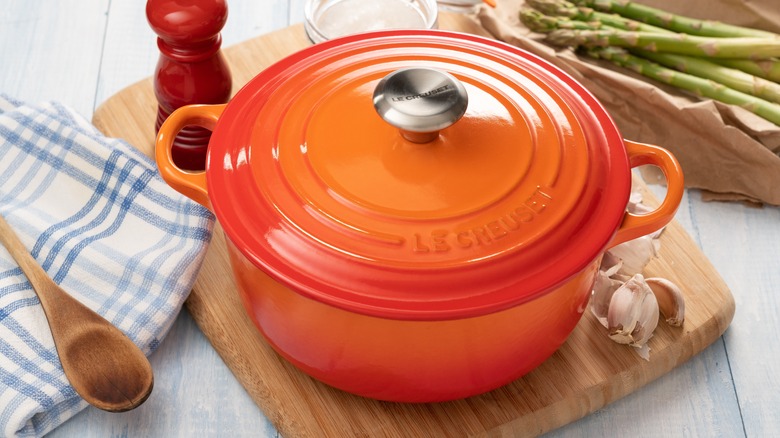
<point x="191" y="68"/>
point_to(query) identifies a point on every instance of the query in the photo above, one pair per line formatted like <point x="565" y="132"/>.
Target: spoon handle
<point x="19" y="252"/>
<point x="49" y="293"/>
<point x="101" y="363"/>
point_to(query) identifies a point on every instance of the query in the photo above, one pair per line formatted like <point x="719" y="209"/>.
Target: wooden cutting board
<point x="586" y="373"/>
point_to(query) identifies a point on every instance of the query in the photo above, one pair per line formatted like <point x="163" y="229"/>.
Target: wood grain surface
<point x="588" y="372"/>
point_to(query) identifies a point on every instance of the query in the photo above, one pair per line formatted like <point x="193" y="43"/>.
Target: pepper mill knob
<point x="420" y="102"/>
<point x="191" y="68"/>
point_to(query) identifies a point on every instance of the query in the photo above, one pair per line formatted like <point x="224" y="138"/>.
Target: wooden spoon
<point x="102" y="364"/>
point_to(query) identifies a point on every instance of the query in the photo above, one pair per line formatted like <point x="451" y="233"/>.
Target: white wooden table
<point x="80" y="52"/>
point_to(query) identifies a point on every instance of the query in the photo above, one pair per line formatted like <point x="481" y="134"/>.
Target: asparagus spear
<point x="694" y="84"/>
<point x="673" y="43"/>
<point x="565" y="8"/>
<point x="675" y="22"/>
<point x="729" y="77"/>
<point x="768" y="69"/>
<point x="538" y="22"/>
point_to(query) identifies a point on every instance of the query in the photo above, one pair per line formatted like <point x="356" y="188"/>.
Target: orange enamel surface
<point x="635" y="226"/>
<point x="357" y="184"/>
<point x="190" y="183"/>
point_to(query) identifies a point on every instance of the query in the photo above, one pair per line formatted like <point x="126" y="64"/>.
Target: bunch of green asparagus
<point x="732" y="64"/>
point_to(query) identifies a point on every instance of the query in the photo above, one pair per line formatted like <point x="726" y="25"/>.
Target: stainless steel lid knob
<point x="420" y="102"/>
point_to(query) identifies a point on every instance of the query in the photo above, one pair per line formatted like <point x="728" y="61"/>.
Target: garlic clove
<point x="635" y="204"/>
<point x="634" y="198"/>
<point x="633" y="314"/>
<point x="603" y="288"/>
<point x="635" y="254"/>
<point x="610" y="264"/>
<point x="670" y="300"/>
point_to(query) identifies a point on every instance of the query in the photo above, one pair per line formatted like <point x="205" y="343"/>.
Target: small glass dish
<point x="328" y="19"/>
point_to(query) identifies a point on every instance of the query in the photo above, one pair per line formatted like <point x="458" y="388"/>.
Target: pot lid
<point x="417" y="174"/>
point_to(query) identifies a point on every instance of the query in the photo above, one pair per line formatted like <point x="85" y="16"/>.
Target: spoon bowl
<point x="102" y="364"/>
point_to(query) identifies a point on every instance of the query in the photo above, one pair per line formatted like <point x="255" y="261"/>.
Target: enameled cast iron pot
<point x="389" y="247"/>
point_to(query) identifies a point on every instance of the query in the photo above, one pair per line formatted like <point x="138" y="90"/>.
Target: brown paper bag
<point x="728" y="152"/>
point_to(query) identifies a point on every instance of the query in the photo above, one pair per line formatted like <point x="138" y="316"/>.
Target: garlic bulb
<point x="633" y="314"/>
<point x="626" y="303"/>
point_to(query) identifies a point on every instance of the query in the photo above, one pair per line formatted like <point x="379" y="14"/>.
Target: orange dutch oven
<point x="416" y="216"/>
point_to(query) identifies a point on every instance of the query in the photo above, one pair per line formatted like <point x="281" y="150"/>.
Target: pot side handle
<point x="633" y="225"/>
<point x="191" y="184"/>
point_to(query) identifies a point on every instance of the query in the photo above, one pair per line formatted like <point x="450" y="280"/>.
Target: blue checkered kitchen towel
<point x="97" y="216"/>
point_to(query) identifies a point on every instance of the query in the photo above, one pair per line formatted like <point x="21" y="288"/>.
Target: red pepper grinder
<point x="191" y="69"/>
